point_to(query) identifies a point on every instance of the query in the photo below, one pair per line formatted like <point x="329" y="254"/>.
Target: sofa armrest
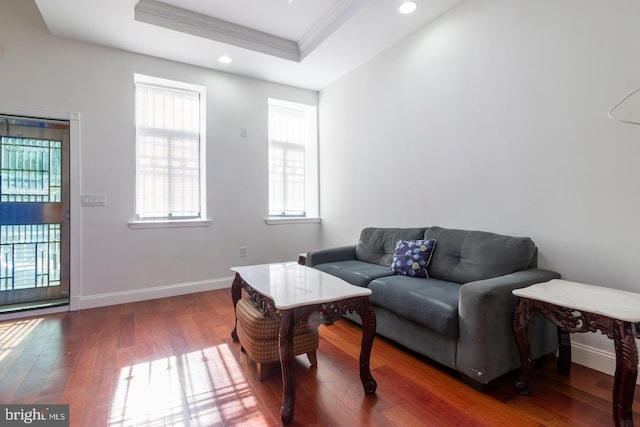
<point x="486" y="344"/>
<point x="323" y="256"/>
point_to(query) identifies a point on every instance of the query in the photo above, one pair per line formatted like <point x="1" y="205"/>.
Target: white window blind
<point x="169" y="150"/>
<point x="292" y="159"/>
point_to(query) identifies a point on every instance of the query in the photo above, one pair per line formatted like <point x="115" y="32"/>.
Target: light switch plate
<point x="93" y="199"/>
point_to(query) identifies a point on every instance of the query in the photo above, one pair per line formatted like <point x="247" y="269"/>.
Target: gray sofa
<point x="460" y="316"/>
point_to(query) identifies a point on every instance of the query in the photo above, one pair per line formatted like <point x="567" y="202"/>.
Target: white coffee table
<point x="577" y="307"/>
<point x="292" y="292"/>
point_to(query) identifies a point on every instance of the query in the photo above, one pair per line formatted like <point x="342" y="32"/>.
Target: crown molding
<point x="178" y="19"/>
<point x="328" y="24"/>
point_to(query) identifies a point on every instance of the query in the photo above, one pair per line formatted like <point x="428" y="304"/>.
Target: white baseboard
<point x="123" y="297"/>
<point x="594" y="358"/>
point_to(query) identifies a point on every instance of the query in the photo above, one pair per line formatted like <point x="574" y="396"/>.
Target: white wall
<point x="45" y="72"/>
<point x="495" y="118"/>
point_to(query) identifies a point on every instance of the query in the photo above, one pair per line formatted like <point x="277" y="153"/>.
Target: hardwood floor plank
<point x="126" y="330"/>
<point x="171" y="362"/>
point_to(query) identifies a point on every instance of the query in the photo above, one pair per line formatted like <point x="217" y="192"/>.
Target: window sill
<point x="278" y="221"/>
<point x="170" y="224"/>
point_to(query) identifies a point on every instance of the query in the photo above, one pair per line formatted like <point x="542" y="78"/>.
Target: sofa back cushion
<point x="463" y="256"/>
<point x="377" y="245"/>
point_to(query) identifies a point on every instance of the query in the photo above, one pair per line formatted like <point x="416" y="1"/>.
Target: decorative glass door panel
<point x="34" y="206"/>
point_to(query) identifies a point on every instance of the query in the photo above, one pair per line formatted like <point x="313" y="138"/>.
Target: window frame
<point x="202" y="220"/>
<point x="311" y="203"/>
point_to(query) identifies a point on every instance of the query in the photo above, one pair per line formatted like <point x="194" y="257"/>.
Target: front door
<point x="34" y="213"/>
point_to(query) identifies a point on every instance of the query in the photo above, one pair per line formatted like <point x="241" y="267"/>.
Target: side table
<point x="576" y="307"/>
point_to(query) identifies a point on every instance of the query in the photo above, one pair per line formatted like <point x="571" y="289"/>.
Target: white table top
<point x="614" y="303"/>
<point x="291" y="285"/>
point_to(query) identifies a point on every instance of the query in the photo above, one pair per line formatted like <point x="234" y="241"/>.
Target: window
<point x="293" y="160"/>
<point x="170" y="150"/>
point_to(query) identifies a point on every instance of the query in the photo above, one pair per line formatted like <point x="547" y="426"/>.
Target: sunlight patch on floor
<point x="12" y="334"/>
<point x="202" y="388"/>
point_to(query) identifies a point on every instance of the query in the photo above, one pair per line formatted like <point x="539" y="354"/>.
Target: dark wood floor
<point x="171" y="362"/>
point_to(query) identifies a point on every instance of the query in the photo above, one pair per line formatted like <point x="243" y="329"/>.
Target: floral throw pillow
<point x="412" y="257"/>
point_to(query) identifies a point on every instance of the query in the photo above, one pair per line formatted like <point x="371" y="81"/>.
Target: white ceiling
<point x="304" y="43"/>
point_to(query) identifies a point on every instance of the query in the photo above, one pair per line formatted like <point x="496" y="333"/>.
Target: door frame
<point x="74" y="199"/>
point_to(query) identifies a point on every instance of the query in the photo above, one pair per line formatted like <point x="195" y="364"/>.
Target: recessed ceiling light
<point x="408" y="7"/>
<point x="225" y="59"/>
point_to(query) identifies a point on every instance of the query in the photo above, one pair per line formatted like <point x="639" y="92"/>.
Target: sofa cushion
<point x="429" y="302"/>
<point x="357" y="273"/>
<point x="377" y="245"/>
<point x="465" y="256"/>
<point x="412" y="257"/>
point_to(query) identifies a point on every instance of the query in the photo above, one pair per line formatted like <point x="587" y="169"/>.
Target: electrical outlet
<point x="243" y="251"/>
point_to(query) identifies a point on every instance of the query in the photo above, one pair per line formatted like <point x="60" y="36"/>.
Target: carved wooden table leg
<point x="236" y="293"/>
<point x="626" y="372"/>
<point x="368" y="318"/>
<point x="564" y="351"/>
<point x="520" y="324"/>
<point x="285" y="342"/>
